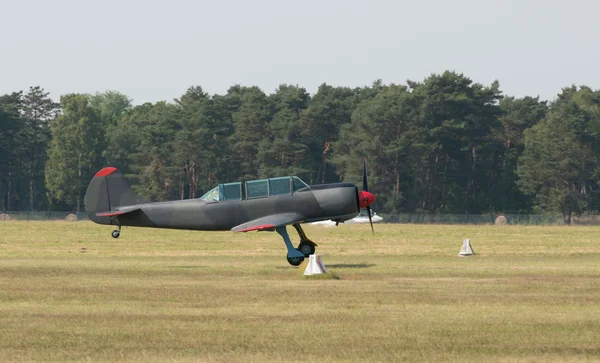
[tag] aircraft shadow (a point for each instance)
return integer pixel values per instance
(350, 265)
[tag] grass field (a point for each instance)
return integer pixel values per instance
(70, 292)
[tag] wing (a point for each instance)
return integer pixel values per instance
(118, 212)
(269, 223)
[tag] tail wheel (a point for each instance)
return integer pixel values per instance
(116, 233)
(295, 261)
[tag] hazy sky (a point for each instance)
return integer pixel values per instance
(154, 50)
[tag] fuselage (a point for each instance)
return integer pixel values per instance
(338, 202)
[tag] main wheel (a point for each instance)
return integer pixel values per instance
(295, 261)
(116, 233)
(306, 248)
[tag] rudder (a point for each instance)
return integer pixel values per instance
(107, 191)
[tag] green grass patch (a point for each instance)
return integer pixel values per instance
(70, 292)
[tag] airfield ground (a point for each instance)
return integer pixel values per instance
(68, 291)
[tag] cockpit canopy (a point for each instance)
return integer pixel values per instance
(255, 189)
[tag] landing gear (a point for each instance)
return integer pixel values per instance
(117, 232)
(295, 261)
(306, 246)
(294, 256)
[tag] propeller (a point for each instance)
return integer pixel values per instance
(366, 198)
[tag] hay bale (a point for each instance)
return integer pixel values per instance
(500, 221)
(591, 220)
(71, 218)
(4, 217)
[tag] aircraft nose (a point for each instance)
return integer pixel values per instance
(365, 199)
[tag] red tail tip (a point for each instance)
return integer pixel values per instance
(106, 171)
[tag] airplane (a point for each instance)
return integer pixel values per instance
(257, 205)
(361, 218)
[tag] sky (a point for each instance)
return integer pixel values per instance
(154, 50)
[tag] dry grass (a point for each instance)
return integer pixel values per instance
(70, 292)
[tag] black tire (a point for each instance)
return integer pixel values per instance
(295, 261)
(116, 233)
(306, 248)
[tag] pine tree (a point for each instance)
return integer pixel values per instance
(12, 147)
(38, 111)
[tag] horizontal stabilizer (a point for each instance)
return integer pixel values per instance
(269, 223)
(118, 212)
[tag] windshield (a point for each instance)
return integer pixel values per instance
(212, 195)
(299, 184)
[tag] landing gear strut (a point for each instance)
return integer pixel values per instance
(117, 232)
(306, 246)
(294, 257)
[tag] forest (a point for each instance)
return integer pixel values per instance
(443, 145)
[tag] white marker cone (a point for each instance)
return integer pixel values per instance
(466, 249)
(315, 265)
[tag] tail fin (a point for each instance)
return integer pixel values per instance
(107, 191)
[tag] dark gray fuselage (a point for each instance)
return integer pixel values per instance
(337, 202)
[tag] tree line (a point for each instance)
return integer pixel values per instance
(443, 145)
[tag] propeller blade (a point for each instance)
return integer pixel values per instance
(366, 198)
(370, 220)
(365, 185)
